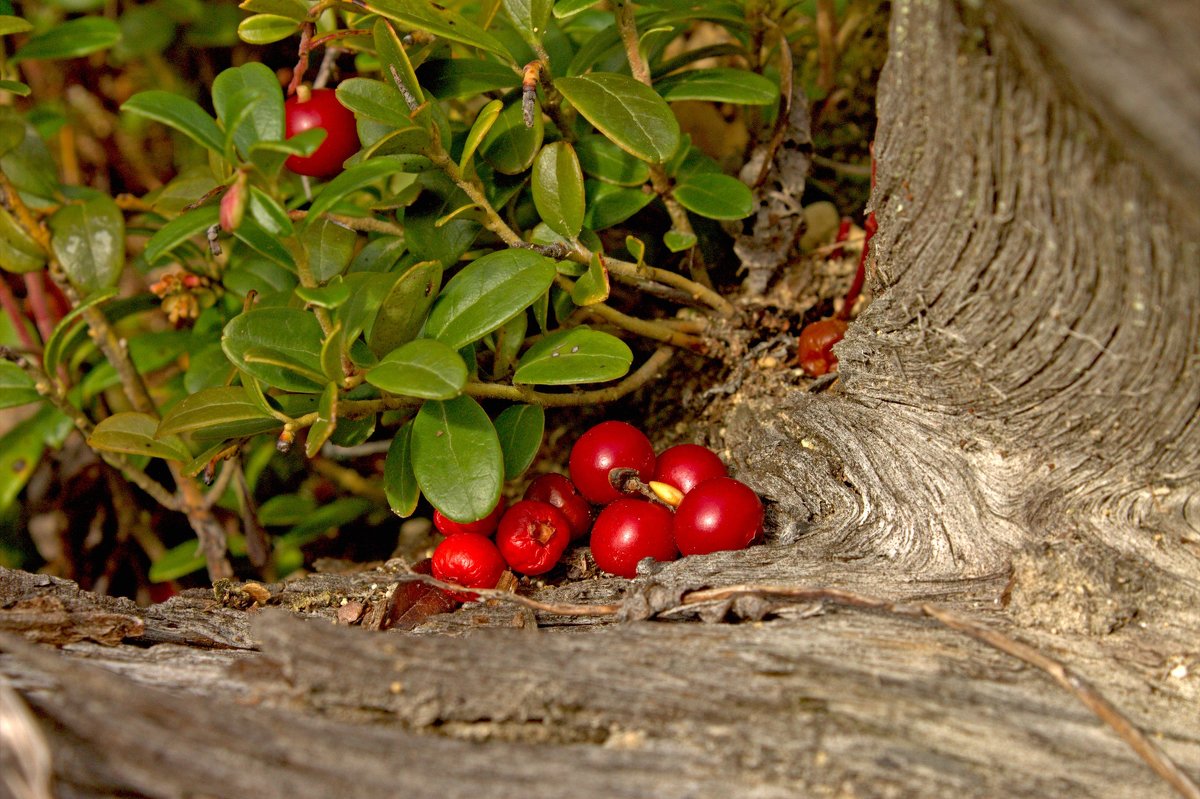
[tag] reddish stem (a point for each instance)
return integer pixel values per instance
(35, 290)
(842, 234)
(861, 273)
(15, 315)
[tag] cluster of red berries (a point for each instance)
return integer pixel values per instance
(681, 501)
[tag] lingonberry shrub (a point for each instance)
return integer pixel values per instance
(473, 195)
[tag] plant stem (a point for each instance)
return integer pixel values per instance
(633, 381)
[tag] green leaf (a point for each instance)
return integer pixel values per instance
(353, 179)
(403, 311)
(89, 241)
(483, 123)
(16, 387)
(293, 9)
(715, 196)
(510, 337)
(71, 39)
(234, 87)
(677, 241)
(429, 241)
(26, 160)
(399, 482)
(326, 422)
(531, 17)
(510, 147)
(279, 346)
(21, 450)
(330, 247)
(432, 18)
(602, 159)
(179, 113)
(520, 429)
(254, 236)
(718, 85)
(267, 211)
(424, 368)
(57, 344)
(395, 64)
(330, 296)
(447, 79)
(626, 111)
(592, 286)
(10, 24)
(304, 143)
(217, 413)
(375, 100)
(266, 28)
(487, 293)
(456, 458)
(180, 229)
(15, 87)
(18, 251)
(569, 8)
(576, 355)
(610, 205)
(558, 189)
(134, 434)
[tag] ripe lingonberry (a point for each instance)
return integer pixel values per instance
(608, 446)
(629, 530)
(470, 560)
(687, 465)
(816, 342)
(533, 536)
(560, 492)
(720, 513)
(485, 526)
(321, 110)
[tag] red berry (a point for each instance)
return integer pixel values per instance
(533, 536)
(629, 530)
(608, 446)
(816, 342)
(687, 465)
(721, 513)
(323, 110)
(485, 526)
(468, 560)
(560, 492)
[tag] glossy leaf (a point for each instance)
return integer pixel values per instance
(70, 39)
(280, 346)
(592, 286)
(424, 368)
(376, 100)
(403, 311)
(180, 229)
(135, 434)
(10, 24)
(353, 179)
(15, 87)
(602, 159)
(330, 296)
(456, 458)
(293, 9)
(718, 85)
(558, 189)
(520, 429)
(16, 387)
(267, 211)
(564, 9)
(487, 293)
(330, 246)
(483, 123)
(396, 64)
(187, 558)
(510, 147)
(60, 341)
(715, 196)
(18, 251)
(440, 21)
(326, 422)
(264, 243)
(325, 518)
(531, 17)
(678, 241)
(231, 89)
(610, 205)
(626, 111)
(179, 113)
(217, 413)
(21, 450)
(399, 482)
(89, 241)
(576, 355)
(266, 28)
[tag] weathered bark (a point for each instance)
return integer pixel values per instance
(1014, 437)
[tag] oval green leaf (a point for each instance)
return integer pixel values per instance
(577, 355)
(610, 205)
(217, 413)
(294, 9)
(266, 28)
(89, 241)
(135, 434)
(438, 20)
(424, 368)
(602, 159)
(399, 482)
(403, 311)
(279, 346)
(520, 428)
(715, 196)
(446, 79)
(486, 294)
(330, 247)
(353, 179)
(179, 113)
(375, 100)
(484, 120)
(326, 422)
(592, 286)
(558, 189)
(510, 147)
(628, 112)
(71, 39)
(531, 17)
(180, 229)
(235, 86)
(718, 85)
(16, 387)
(456, 458)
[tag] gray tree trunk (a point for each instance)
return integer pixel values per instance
(1013, 438)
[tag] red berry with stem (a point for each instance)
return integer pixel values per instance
(815, 350)
(629, 530)
(687, 465)
(323, 110)
(721, 513)
(469, 560)
(533, 536)
(608, 446)
(560, 492)
(485, 526)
